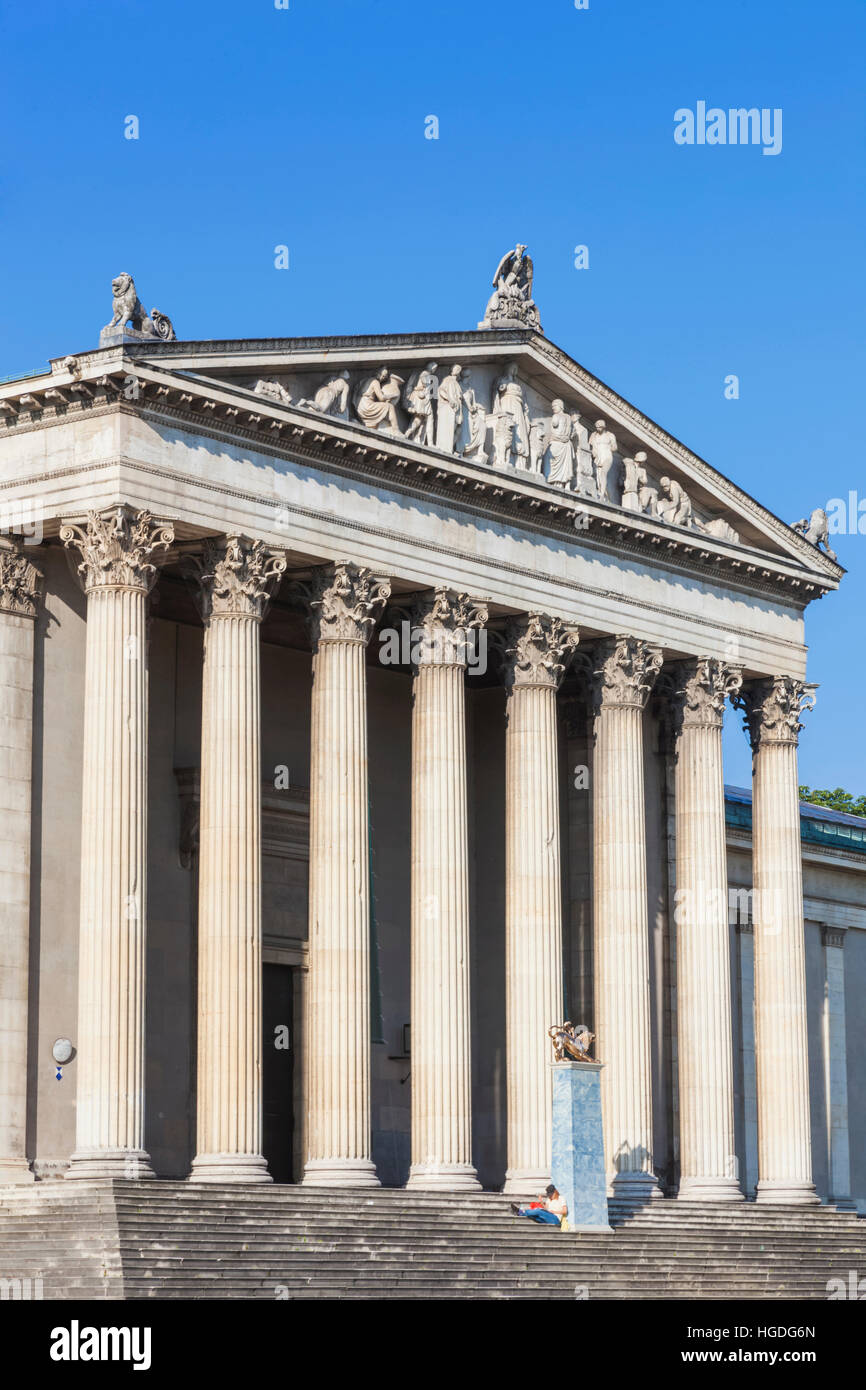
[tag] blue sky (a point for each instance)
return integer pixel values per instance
(305, 127)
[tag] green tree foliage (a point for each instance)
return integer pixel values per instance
(838, 800)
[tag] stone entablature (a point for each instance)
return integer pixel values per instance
(544, 475)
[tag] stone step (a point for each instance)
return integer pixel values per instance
(173, 1240)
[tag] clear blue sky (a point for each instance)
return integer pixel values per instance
(305, 127)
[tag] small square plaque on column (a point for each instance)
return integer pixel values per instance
(577, 1165)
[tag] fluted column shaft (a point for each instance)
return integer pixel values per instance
(109, 1140)
(781, 1032)
(19, 582)
(235, 580)
(624, 677)
(708, 1164)
(533, 892)
(440, 1008)
(345, 605)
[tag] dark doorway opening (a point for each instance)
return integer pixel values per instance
(278, 1053)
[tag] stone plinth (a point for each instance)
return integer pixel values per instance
(578, 1143)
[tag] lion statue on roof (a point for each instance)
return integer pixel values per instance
(127, 308)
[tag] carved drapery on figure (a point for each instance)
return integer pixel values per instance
(20, 582)
(116, 547)
(772, 709)
(376, 400)
(625, 672)
(236, 577)
(449, 410)
(539, 650)
(701, 688)
(331, 398)
(346, 602)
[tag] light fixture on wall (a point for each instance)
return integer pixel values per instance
(62, 1052)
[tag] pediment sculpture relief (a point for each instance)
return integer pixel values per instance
(444, 408)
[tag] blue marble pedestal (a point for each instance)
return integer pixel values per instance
(577, 1166)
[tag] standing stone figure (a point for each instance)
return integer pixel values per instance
(331, 398)
(585, 482)
(511, 421)
(450, 412)
(602, 442)
(537, 444)
(376, 401)
(631, 484)
(674, 504)
(477, 424)
(561, 448)
(418, 400)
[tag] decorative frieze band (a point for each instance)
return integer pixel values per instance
(538, 651)
(235, 577)
(625, 672)
(116, 548)
(772, 708)
(346, 601)
(20, 582)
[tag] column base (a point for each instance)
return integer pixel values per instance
(15, 1171)
(710, 1190)
(132, 1165)
(525, 1182)
(443, 1177)
(793, 1194)
(247, 1168)
(340, 1172)
(636, 1188)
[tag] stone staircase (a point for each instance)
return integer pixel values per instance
(139, 1240)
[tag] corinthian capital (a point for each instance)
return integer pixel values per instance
(20, 582)
(444, 622)
(701, 687)
(772, 709)
(116, 547)
(346, 601)
(538, 652)
(625, 673)
(236, 577)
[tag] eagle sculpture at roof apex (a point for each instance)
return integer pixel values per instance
(511, 305)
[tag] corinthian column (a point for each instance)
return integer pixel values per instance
(118, 574)
(706, 1075)
(346, 603)
(441, 1060)
(773, 708)
(626, 671)
(235, 578)
(19, 595)
(538, 652)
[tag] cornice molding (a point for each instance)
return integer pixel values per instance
(331, 442)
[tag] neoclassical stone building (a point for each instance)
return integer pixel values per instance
(362, 717)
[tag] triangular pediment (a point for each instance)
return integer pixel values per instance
(485, 401)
